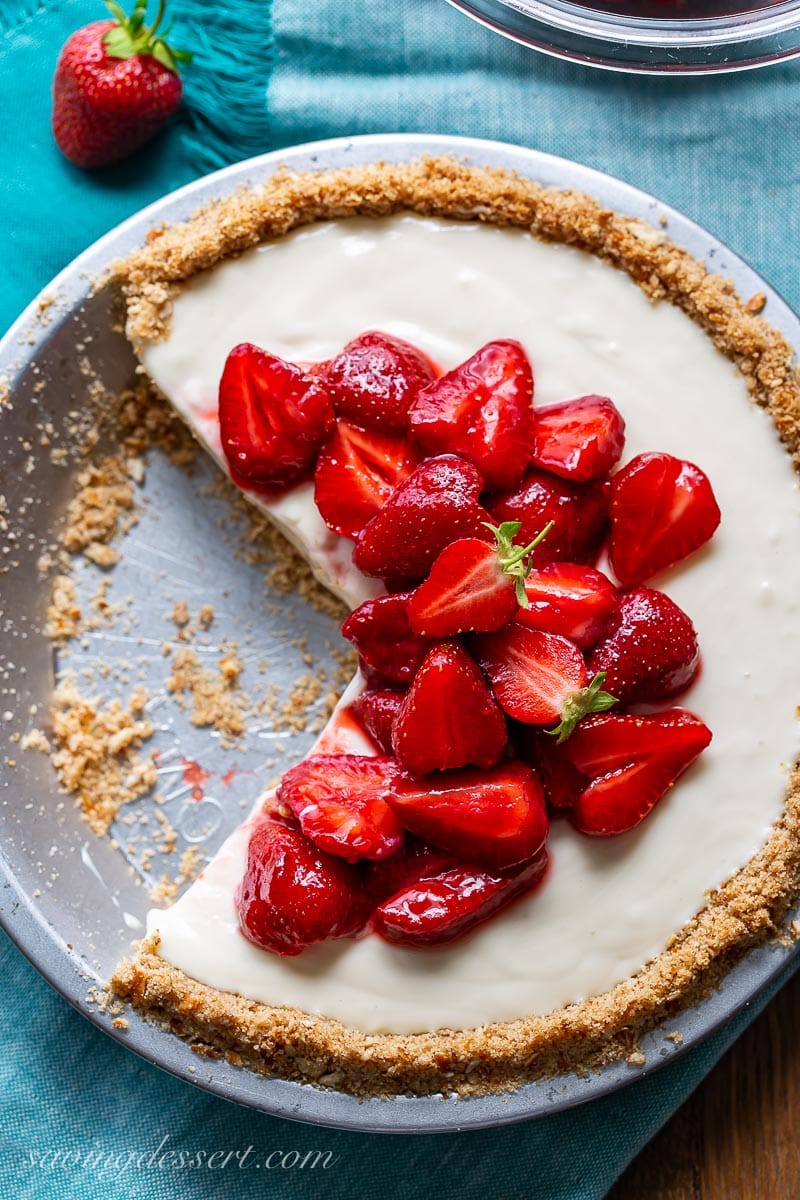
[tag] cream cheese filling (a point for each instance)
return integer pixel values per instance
(607, 907)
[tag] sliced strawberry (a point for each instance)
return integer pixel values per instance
(662, 509)
(649, 650)
(447, 905)
(376, 712)
(337, 800)
(356, 474)
(632, 761)
(380, 631)
(482, 410)
(569, 599)
(376, 379)
(437, 504)
(579, 439)
(495, 817)
(561, 780)
(294, 895)
(273, 418)
(540, 678)
(472, 586)
(414, 861)
(579, 512)
(449, 717)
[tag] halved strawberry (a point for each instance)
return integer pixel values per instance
(337, 800)
(356, 474)
(414, 860)
(540, 678)
(294, 895)
(631, 761)
(495, 817)
(649, 650)
(273, 418)
(579, 512)
(567, 598)
(662, 509)
(579, 439)
(376, 712)
(380, 631)
(453, 902)
(437, 504)
(482, 410)
(375, 380)
(473, 587)
(449, 717)
(561, 780)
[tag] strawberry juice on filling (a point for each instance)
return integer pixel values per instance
(607, 906)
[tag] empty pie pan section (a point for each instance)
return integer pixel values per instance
(71, 902)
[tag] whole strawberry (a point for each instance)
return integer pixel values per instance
(116, 85)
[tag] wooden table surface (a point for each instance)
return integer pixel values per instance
(738, 1136)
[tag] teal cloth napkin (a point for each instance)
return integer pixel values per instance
(723, 150)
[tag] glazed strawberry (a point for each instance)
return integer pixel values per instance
(375, 380)
(662, 509)
(337, 800)
(473, 586)
(570, 599)
(561, 780)
(294, 895)
(376, 712)
(414, 860)
(649, 650)
(494, 817)
(482, 410)
(273, 418)
(540, 678)
(578, 439)
(437, 504)
(449, 717)
(380, 631)
(116, 85)
(356, 473)
(579, 512)
(448, 905)
(632, 761)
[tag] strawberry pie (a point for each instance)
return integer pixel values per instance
(558, 798)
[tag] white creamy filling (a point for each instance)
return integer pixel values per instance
(607, 906)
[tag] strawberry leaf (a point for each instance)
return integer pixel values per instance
(590, 699)
(130, 36)
(162, 53)
(516, 561)
(117, 12)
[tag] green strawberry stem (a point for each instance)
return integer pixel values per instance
(514, 560)
(130, 36)
(590, 699)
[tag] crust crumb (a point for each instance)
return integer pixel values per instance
(102, 507)
(213, 695)
(63, 616)
(96, 751)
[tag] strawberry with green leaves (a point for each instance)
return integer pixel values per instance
(473, 586)
(116, 85)
(540, 678)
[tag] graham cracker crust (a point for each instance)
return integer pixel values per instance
(746, 910)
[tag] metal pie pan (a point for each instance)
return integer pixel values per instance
(69, 900)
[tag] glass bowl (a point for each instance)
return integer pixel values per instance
(681, 37)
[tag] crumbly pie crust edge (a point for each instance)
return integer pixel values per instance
(746, 910)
